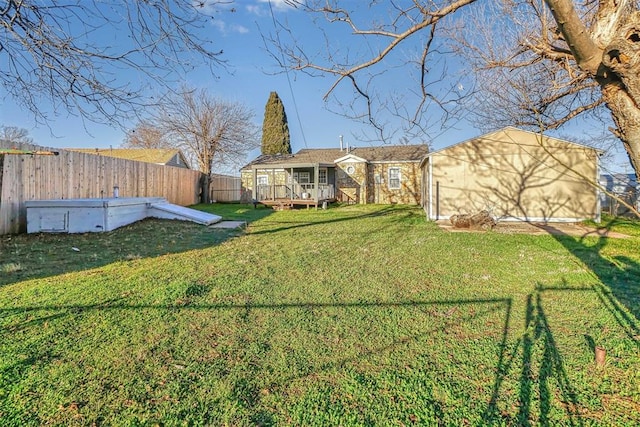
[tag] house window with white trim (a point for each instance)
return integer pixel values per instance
(263, 179)
(394, 178)
(304, 178)
(322, 176)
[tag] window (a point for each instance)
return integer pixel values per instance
(322, 176)
(394, 178)
(304, 178)
(263, 179)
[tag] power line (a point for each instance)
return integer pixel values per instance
(286, 70)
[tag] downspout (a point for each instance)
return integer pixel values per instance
(598, 217)
(430, 188)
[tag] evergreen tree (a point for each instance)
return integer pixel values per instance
(275, 130)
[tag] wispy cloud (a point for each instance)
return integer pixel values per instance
(255, 9)
(226, 29)
(241, 29)
(280, 5)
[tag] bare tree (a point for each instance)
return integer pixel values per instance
(76, 53)
(573, 57)
(386, 36)
(211, 132)
(521, 81)
(146, 135)
(15, 134)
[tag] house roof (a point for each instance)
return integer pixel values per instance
(328, 156)
(149, 155)
(618, 179)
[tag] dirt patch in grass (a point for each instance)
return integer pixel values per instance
(538, 228)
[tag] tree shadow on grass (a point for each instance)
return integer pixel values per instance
(399, 212)
(619, 274)
(245, 388)
(33, 256)
(551, 368)
(543, 378)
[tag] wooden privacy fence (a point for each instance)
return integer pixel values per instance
(225, 188)
(72, 175)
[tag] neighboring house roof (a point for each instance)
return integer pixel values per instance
(328, 156)
(161, 156)
(618, 182)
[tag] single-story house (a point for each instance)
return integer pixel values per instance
(385, 174)
(619, 186)
(514, 175)
(158, 156)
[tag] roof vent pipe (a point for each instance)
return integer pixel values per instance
(340, 142)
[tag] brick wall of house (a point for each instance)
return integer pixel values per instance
(409, 191)
(352, 186)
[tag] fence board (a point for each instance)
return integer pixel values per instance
(73, 175)
(225, 188)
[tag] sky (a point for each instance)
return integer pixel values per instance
(252, 73)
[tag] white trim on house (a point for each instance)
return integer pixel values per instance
(399, 178)
(524, 219)
(322, 171)
(386, 162)
(598, 190)
(350, 158)
(303, 177)
(430, 189)
(265, 170)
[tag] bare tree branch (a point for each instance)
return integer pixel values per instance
(212, 133)
(76, 53)
(574, 59)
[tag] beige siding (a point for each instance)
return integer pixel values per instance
(514, 175)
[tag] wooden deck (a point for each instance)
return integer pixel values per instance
(283, 203)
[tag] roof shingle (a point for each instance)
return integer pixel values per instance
(330, 155)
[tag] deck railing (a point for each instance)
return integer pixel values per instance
(295, 191)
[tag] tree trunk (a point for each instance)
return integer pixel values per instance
(626, 115)
(205, 184)
(616, 67)
(621, 90)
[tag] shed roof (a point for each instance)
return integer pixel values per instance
(510, 131)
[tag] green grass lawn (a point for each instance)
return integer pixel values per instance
(346, 316)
